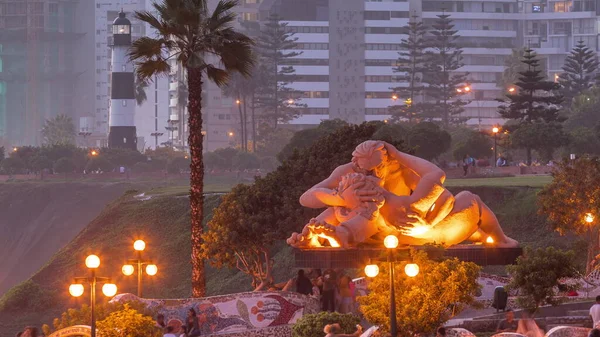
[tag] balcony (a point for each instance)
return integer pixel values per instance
(173, 102)
(173, 86)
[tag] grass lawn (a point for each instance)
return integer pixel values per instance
(528, 180)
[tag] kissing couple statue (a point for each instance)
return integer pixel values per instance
(384, 191)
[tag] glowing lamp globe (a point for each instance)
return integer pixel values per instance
(139, 245)
(76, 290)
(151, 269)
(495, 129)
(489, 240)
(109, 289)
(290, 101)
(589, 217)
(127, 270)
(411, 269)
(92, 261)
(371, 270)
(390, 241)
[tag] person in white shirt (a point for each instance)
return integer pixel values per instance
(169, 332)
(595, 312)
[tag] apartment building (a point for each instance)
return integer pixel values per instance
(44, 67)
(350, 47)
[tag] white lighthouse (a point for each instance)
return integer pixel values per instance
(122, 133)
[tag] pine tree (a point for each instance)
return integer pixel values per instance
(579, 69)
(441, 78)
(277, 100)
(512, 67)
(535, 105)
(411, 61)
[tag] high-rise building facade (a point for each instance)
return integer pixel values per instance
(349, 49)
(45, 67)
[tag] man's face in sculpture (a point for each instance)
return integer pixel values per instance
(374, 165)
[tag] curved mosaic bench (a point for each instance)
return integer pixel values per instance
(235, 313)
(568, 331)
(508, 334)
(459, 332)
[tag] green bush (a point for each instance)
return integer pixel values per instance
(176, 165)
(99, 163)
(312, 325)
(25, 296)
(64, 165)
(142, 167)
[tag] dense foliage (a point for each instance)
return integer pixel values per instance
(59, 130)
(574, 191)
(312, 325)
(440, 291)
(538, 274)
(535, 107)
(268, 211)
(579, 71)
(128, 322)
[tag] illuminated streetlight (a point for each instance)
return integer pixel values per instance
(139, 245)
(390, 242)
(76, 290)
(128, 270)
(511, 89)
(109, 289)
(92, 262)
(394, 97)
(139, 263)
(458, 90)
(237, 101)
(411, 269)
(371, 270)
(467, 88)
(290, 101)
(230, 133)
(94, 153)
(151, 269)
(589, 217)
(15, 149)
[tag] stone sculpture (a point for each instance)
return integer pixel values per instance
(384, 191)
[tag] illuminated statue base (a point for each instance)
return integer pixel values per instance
(324, 258)
(383, 191)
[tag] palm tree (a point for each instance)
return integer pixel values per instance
(140, 91)
(204, 44)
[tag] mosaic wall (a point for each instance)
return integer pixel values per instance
(236, 312)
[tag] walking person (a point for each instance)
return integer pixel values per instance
(466, 162)
(595, 312)
(345, 294)
(303, 284)
(329, 287)
(169, 332)
(193, 326)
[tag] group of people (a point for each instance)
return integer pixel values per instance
(189, 328)
(333, 288)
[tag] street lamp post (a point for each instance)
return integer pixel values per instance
(411, 269)
(128, 269)
(495, 131)
(76, 289)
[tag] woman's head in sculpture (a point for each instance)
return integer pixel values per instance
(371, 158)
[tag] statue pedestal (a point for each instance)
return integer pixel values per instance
(359, 257)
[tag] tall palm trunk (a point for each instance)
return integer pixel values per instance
(245, 123)
(195, 140)
(239, 99)
(253, 123)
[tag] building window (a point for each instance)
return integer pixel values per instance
(562, 6)
(377, 15)
(53, 8)
(250, 16)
